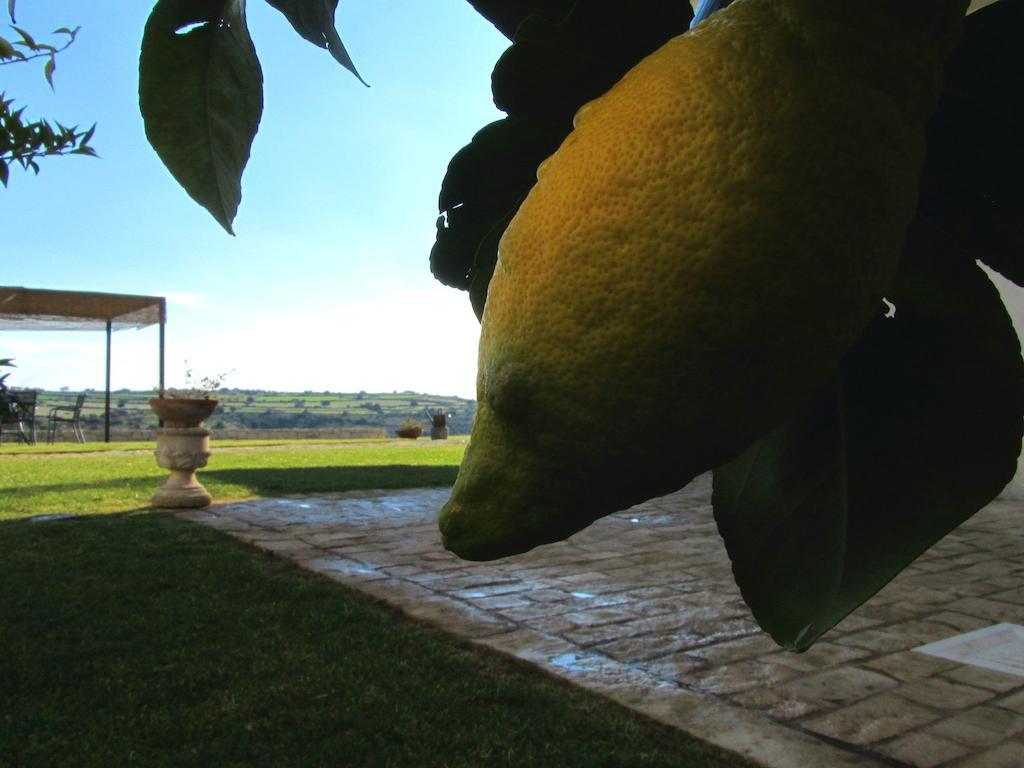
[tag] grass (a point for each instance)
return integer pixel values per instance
(93, 480)
(137, 638)
(12, 448)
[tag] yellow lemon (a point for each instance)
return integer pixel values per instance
(695, 259)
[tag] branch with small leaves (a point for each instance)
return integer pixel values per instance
(196, 387)
(10, 53)
(25, 142)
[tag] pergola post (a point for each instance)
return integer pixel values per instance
(163, 324)
(106, 409)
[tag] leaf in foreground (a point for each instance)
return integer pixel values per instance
(484, 185)
(972, 179)
(201, 97)
(507, 15)
(922, 429)
(559, 60)
(314, 21)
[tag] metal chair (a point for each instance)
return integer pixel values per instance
(74, 419)
(21, 415)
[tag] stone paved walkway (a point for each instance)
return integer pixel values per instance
(642, 607)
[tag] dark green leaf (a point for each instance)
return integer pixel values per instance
(559, 61)
(507, 15)
(314, 21)
(26, 37)
(486, 260)
(201, 96)
(51, 64)
(10, 9)
(554, 67)
(783, 496)
(4, 172)
(8, 51)
(923, 430)
(485, 183)
(971, 181)
(524, 83)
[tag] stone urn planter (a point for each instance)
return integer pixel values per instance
(182, 446)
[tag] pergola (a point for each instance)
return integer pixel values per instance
(35, 309)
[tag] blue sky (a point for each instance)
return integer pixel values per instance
(326, 284)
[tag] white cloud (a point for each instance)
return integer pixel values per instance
(191, 300)
(414, 340)
(423, 340)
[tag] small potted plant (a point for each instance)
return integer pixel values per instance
(182, 444)
(190, 406)
(409, 429)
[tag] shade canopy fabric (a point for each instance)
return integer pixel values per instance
(35, 309)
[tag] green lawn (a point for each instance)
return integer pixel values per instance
(128, 636)
(95, 478)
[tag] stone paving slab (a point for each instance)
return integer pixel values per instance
(641, 607)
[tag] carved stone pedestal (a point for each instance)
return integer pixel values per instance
(182, 450)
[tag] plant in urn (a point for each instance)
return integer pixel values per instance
(182, 443)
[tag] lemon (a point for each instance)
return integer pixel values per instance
(695, 259)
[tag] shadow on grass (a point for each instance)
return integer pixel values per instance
(274, 481)
(133, 481)
(143, 639)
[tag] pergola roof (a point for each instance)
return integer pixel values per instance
(35, 309)
(38, 309)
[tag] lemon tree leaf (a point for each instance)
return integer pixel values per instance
(556, 63)
(8, 51)
(314, 21)
(922, 428)
(971, 180)
(781, 508)
(556, 66)
(507, 15)
(485, 182)
(201, 97)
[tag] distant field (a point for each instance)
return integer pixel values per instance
(254, 409)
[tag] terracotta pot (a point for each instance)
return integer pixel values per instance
(182, 412)
(409, 432)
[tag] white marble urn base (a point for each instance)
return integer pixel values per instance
(182, 450)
